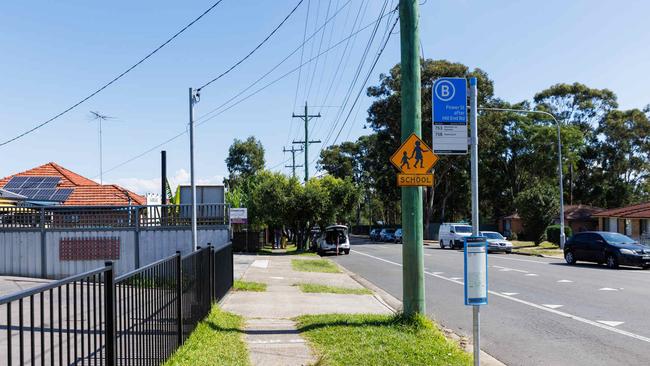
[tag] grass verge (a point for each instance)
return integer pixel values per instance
(316, 288)
(291, 249)
(314, 265)
(240, 285)
(545, 248)
(217, 340)
(346, 339)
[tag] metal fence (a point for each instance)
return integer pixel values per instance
(100, 217)
(95, 318)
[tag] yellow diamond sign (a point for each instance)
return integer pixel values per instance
(414, 156)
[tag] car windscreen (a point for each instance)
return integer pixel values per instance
(492, 235)
(616, 238)
(464, 229)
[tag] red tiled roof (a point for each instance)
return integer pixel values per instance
(580, 212)
(69, 179)
(641, 210)
(86, 192)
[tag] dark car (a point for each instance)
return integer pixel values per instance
(374, 234)
(614, 249)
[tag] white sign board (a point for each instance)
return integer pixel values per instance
(449, 102)
(476, 288)
(239, 215)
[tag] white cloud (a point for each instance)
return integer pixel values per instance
(181, 176)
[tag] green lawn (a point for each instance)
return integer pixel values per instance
(316, 288)
(217, 340)
(314, 265)
(345, 339)
(545, 248)
(291, 249)
(240, 285)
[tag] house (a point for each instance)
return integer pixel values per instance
(51, 184)
(633, 220)
(578, 217)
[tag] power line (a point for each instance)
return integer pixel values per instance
(253, 93)
(254, 49)
(115, 78)
(366, 80)
(302, 53)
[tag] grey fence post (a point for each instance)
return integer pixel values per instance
(109, 314)
(136, 238)
(43, 244)
(213, 280)
(179, 299)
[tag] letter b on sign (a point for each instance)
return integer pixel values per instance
(445, 90)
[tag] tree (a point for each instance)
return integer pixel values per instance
(452, 171)
(579, 105)
(245, 158)
(538, 206)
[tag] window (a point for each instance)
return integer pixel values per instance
(643, 226)
(605, 223)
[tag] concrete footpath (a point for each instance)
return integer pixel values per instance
(270, 333)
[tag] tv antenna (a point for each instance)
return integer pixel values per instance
(96, 116)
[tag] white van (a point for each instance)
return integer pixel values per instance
(452, 235)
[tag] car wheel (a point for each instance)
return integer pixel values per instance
(508, 251)
(347, 251)
(569, 257)
(611, 261)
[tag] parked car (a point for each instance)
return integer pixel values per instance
(496, 242)
(313, 238)
(387, 235)
(614, 249)
(398, 236)
(374, 234)
(452, 235)
(334, 238)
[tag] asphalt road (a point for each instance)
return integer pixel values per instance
(540, 312)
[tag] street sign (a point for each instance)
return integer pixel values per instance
(476, 270)
(239, 215)
(450, 116)
(414, 180)
(414, 156)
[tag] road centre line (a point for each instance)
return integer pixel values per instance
(536, 306)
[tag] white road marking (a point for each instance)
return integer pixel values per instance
(531, 275)
(610, 323)
(260, 263)
(552, 306)
(438, 273)
(564, 281)
(536, 306)
(607, 289)
(510, 293)
(507, 269)
(277, 278)
(427, 255)
(455, 278)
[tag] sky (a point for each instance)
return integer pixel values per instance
(53, 54)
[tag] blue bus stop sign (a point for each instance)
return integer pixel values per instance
(449, 116)
(450, 100)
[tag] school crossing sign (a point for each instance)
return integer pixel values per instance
(414, 159)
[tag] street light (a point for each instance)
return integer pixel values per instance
(559, 159)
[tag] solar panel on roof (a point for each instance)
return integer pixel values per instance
(32, 182)
(61, 194)
(49, 182)
(29, 192)
(44, 194)
(15, 182)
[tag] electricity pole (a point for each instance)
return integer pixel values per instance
(306, 118)
(413, 265)
(194, 98)
(293, 165)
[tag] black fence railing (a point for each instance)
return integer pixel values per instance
(94, 318)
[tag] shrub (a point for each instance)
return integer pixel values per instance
(553, 233)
